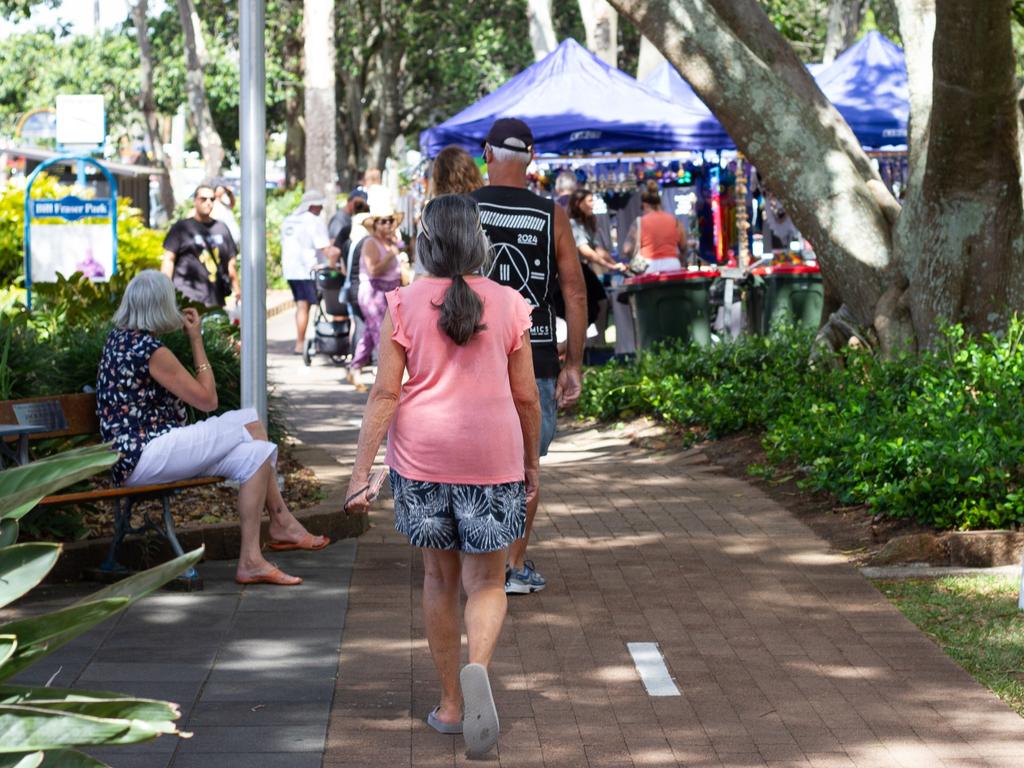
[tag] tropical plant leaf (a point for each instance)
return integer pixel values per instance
(8, 535)
(141, 584)
(22, 487)
(22, 760)
(8, 644)
(24, 728)
(69, 758)
(23, 566)
(39, 636)
(92, 703)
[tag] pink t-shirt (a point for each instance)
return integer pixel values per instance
(456, 421)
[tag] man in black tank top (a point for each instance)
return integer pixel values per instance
(533, 249)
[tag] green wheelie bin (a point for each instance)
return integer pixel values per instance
(789, 292)
(670, 306)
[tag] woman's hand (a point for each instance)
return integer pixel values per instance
(356, 501)
(532, 484)
(190, 323)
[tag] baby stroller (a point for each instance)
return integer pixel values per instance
(331, 325)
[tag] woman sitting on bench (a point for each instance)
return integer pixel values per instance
(141, 393)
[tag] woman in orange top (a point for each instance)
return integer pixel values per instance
(661, 236)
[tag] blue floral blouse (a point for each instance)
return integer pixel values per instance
(133, 408)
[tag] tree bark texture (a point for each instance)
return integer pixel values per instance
(542, 28)
(601, 23)
(844, 20)
(318, 87)
(962, 241)
(140, 18)
(210, 145)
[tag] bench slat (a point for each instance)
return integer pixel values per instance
(135, 490)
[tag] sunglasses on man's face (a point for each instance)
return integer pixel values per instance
(202, 199)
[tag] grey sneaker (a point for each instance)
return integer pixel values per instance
(525, 581)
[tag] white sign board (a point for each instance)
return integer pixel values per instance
(81, 120)
(70, 248)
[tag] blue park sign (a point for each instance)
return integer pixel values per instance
(70, 208)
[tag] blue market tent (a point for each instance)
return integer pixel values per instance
(667, 82)
(574, 102)
(867, 84)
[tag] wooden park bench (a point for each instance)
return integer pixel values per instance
(70, 416)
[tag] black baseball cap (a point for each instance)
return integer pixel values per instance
(510, 133)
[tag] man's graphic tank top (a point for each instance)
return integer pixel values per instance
(521, 227)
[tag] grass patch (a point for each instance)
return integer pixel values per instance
(975, 620)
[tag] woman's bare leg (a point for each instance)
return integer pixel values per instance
(483, 577)
(283, 524)
(441, 617)
(252, 496)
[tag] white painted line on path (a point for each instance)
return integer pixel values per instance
(650, 664)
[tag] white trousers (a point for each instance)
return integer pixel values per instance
(219, 445)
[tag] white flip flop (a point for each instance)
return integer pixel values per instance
(480, 717)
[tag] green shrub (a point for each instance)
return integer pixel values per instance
(933, 438)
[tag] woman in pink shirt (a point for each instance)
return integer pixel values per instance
(463, 432)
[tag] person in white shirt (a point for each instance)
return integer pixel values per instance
(305, 244)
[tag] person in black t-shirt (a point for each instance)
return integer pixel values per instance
(199, 254)
(534, 251)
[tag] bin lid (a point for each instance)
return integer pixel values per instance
(787, 269)
(674, 274)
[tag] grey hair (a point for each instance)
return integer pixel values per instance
(452, 244)
(506, 155)
(565, 183)
(149, 304)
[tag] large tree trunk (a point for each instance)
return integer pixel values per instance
(844, 20)
(961, 242)
(321, 137)
(389, 100)
(542, 29)
(140, 18)
(210, 145)
(602, 26)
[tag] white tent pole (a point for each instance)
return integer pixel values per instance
(252, 122)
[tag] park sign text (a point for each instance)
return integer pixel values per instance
(70, 208)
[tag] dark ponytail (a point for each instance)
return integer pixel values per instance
(461, 311)
(452, 244)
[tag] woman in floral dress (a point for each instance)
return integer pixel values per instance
(141, 392)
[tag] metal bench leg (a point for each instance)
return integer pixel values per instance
(122, 520)
(189, 579)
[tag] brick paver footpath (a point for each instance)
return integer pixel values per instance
(781, 653)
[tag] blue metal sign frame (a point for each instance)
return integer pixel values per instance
(81, 160)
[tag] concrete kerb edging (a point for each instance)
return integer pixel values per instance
(222, 540)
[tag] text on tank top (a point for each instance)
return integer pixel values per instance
(520, 226)
(659, 235)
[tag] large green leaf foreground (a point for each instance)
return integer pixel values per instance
(40, 726)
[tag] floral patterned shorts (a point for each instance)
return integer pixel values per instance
(471, 518)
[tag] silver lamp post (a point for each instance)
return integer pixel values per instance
(252, 123)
